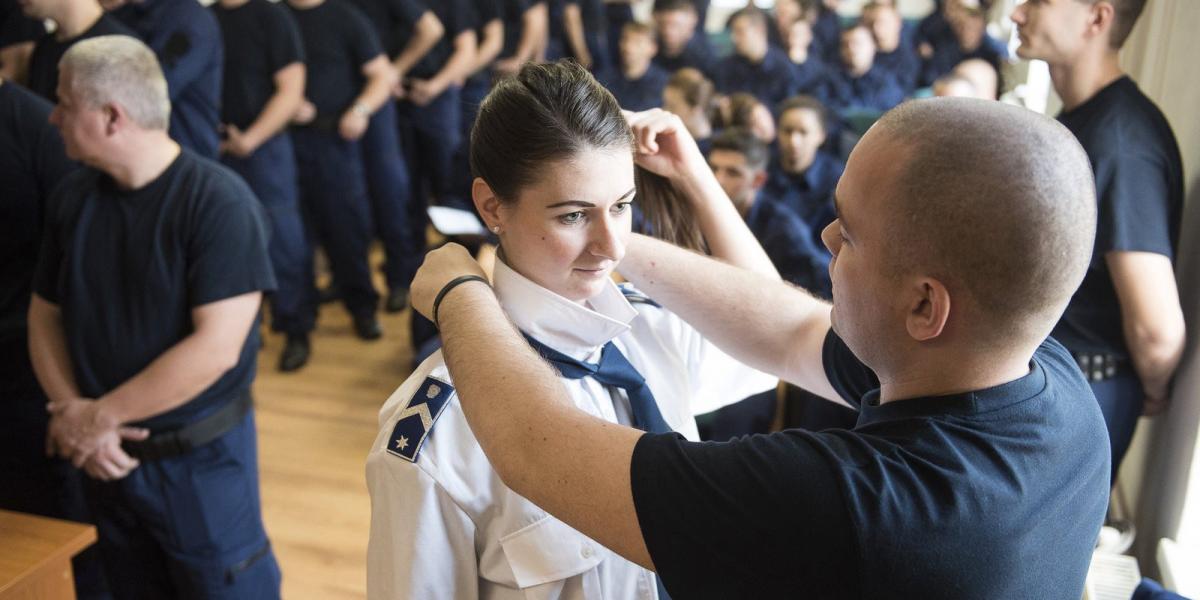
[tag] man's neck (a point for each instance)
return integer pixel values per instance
(635, 71)
(232, 3)
(756, 56)
(927, 376)
(143, 161)
(744, 205)
(1077, 82)
(800, 170)
(799, 54)
(856, 73)
(305, 4)
(76, 19)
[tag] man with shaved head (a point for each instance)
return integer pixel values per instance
(976, 468)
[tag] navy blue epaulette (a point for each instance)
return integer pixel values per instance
(416, 420)
(636, 297)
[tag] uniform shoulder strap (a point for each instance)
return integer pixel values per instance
(417, 418)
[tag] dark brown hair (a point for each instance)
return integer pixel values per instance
(551, 112)
(1125, 16)
(741, 141)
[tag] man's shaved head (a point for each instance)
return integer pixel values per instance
(992, 200)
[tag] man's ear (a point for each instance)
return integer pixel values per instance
(929, 309)
(1101, 19)
(114, 118)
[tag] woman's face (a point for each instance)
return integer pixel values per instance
(567, 231)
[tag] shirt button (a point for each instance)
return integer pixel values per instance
(587, 552)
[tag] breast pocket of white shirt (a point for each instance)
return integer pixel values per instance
(549, 559)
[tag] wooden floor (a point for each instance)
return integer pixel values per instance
(314, 430)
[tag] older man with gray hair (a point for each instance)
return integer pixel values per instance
(143, 334)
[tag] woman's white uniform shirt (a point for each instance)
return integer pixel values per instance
(443, 525)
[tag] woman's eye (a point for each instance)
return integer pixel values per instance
(621, 207)
(571, 218)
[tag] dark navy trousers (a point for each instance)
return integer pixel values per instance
(1120, 400)
(430, 135)
(333, 191)
(271, 174)
(188, 526)
(390, 190)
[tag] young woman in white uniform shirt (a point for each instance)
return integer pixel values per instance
(554, 159)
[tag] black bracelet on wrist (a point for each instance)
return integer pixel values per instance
(457, 281)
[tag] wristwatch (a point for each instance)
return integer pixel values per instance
(361, 109)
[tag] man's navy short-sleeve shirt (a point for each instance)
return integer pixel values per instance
(187, 40)
(771, 81)
(338, 41)
(1139, 194)
(643, 93)
(997, 493)
(127, 267)
(261, 38)
(394, 21)
(456, 17)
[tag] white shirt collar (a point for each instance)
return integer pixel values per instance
(570, 328)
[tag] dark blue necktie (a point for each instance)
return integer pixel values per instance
(613, 369)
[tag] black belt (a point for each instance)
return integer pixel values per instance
(192, 435)
(1100, 366)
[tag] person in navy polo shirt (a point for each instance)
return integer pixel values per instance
(348, 79)
(860, 85)
(976, 468)
(263, 87)
(810, 73)
(969, 39)
(895, 51)
(739, 161)
(681, 39)
(1124, 325)
(187, 40)
(755, 66)
(407, 30)
(804, 176)
(143, 332)
(637, 81)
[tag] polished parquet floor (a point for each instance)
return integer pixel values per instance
(314, 430)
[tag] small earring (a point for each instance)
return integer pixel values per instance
(496, 229)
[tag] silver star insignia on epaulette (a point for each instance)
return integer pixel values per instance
(402, 443)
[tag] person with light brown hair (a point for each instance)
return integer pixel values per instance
(636, 80)
(692, 97)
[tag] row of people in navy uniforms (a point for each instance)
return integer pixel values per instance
(348, 117)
